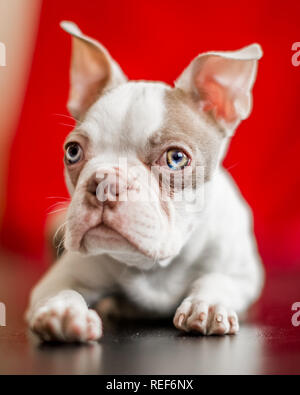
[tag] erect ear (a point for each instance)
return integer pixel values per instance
(93, 71)
(221, 83)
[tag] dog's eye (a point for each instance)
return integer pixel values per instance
(177, 159)
(73, 154)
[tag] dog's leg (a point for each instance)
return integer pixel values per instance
(213, 304)
(59, 306)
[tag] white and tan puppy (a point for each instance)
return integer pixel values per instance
(130, 229)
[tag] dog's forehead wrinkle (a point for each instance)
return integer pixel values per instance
(126, 115)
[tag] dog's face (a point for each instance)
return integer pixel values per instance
(143, 153)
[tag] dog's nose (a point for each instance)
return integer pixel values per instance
(106, 187)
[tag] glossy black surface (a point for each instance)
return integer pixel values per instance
(267, 343)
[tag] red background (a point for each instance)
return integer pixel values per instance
(155, 40)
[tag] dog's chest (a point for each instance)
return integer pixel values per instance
(160, 291)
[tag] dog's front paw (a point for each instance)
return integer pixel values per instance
(194, 315)
(66, 322)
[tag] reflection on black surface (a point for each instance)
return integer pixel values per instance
(268, 343)
(137, 349)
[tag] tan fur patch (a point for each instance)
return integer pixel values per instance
(185, 126)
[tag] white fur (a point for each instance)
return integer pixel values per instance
(132, 111)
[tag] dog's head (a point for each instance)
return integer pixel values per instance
(140, 150)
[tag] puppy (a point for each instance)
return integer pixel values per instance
(154, 218)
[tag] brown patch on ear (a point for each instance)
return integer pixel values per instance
(221, 83)
(217, 99)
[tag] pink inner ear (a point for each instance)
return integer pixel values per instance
(218, 99)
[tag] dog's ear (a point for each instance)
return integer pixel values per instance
(221, 83)
(92, 71)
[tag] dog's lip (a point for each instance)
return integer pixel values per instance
(107, 232)
(133, 243)
(111, 233)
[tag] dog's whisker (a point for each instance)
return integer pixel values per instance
(232, 166)
(58, 197)
(66, 124)
(56, 207)
(60, 246)
(58, 230)
(57, 211)
(65, 116)
(76, 121)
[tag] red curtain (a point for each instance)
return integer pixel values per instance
(155, 40)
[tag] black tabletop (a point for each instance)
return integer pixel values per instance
(268, 343)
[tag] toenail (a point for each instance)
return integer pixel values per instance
(202, 316)
(181, 319)
(219, 318)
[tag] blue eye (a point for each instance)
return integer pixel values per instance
(73, 154)
(177, 159)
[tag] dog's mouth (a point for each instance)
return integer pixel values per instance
(109, 239)
(104, 235)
